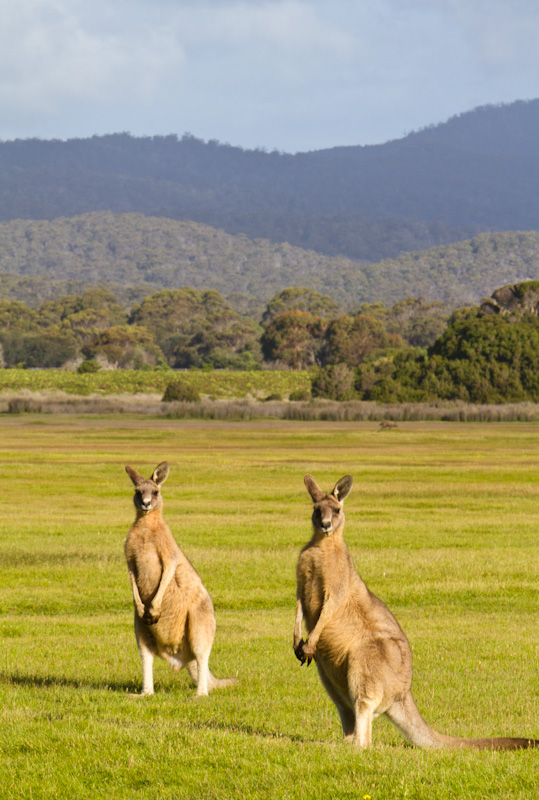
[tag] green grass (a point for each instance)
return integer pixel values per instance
(217, 383)
(442, 523)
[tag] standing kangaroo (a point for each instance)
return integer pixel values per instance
(362, 655)
(174, 616)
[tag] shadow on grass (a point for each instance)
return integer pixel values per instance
(47, 682)
(250, 730)
(129, 688)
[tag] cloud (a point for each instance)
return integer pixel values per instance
(51, 54)
(294, 74)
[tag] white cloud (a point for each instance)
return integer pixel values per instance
(294, 74)
(50, 57)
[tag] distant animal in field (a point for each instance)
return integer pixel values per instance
(386, 425)
(174, 616)
(362, 655)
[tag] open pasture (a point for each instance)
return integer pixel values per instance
(442, 522)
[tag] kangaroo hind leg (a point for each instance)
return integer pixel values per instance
(146, 658)
(364, 717)
(201, 634)
(346, 713)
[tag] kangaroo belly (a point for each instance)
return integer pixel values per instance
(170, 631)
(148, 573)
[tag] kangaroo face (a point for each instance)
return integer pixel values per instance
(148, 490)
(327, 511)
(147, 496)
(327, 515)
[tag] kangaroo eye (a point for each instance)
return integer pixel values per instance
(155, 493)
(336, 511)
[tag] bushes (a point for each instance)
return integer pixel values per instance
(88, 366)
(479, 359)
(300, 395)
(181, 391)
(335, 382)
(45, 350)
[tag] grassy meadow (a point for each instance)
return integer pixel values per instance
(443, 524)
(220, 383)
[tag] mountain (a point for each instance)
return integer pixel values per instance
(477, 172)
(135, 255)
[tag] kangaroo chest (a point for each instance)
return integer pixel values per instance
(143, 553)
(321, 572)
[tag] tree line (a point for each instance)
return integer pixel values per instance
(186, 328)
(486, 354)
(409, 352)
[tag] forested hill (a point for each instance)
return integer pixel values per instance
(478, 171)
(140, 254)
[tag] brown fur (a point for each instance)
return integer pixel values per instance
(387, 424)
(362, 655)
(174, 616)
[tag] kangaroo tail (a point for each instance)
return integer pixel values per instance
(491, 743)
(213, 682)
(220, 683)
(405, 715)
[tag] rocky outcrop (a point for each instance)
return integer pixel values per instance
(513, 301)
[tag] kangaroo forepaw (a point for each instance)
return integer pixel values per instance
(304, 653)
(309, 651)
(298, 652)
(151, 616)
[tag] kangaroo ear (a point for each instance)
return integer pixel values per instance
(313, 488)
(160, 473)
(135, 476)
(342, 488)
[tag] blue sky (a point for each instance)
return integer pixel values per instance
(294, 75)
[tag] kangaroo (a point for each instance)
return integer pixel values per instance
(174, 616)
(362, 655)
(386, 425)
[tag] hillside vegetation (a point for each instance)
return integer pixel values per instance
(131, 249)
(477, 172)
(134, 256)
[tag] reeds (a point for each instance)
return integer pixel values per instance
(250, 408)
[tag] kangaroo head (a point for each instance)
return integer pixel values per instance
(148, 491)
(328, 508)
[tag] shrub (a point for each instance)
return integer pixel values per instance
(179, 390)
(47, 350)
(335, 382)
(90, 365)
(300, 395)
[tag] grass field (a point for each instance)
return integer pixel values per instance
(443, 525)
(216, 383)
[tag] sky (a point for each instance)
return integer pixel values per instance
(290, 75)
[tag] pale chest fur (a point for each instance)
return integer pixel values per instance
(147, 547)
(323, 569)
